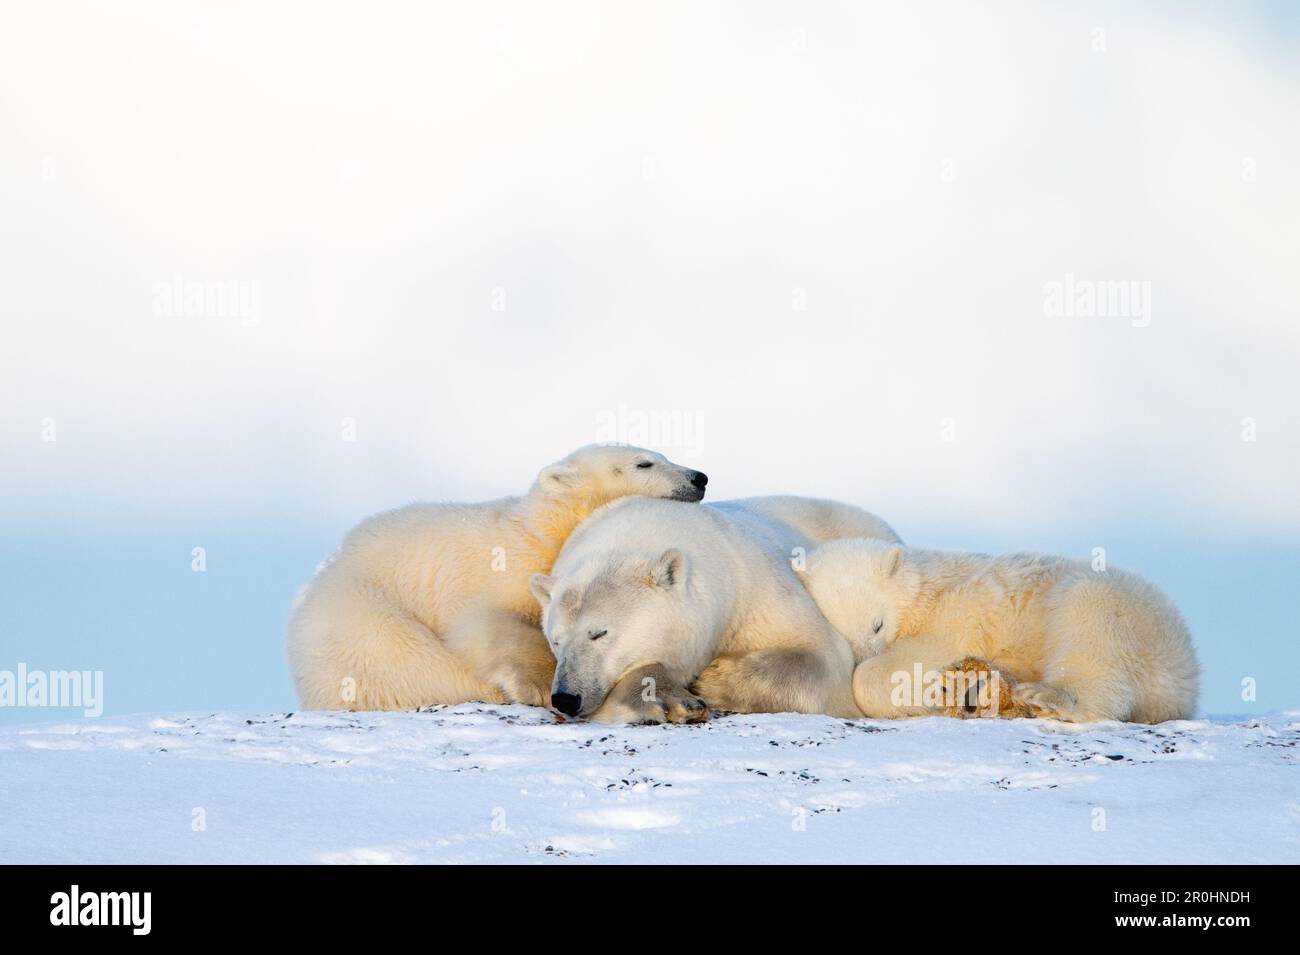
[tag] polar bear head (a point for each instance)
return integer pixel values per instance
(598, 474)
(864, 588)
(606, 621)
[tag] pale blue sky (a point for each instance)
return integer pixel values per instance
(823, 238)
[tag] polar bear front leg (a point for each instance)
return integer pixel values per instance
(648, 694)
(506, 653)
(777, 680)
(893, 684)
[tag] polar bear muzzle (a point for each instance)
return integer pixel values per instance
(695, 490)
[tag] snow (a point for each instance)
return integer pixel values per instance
(480, 783)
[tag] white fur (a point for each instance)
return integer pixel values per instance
(430, 603)
(655, 587)
(1081, 644)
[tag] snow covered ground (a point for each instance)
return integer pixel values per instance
(479, 783)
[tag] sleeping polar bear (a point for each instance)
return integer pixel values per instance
(1087, 644)
(646, 593)
(430, 603)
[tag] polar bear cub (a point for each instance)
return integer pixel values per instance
(430, 603)
(1079, 644)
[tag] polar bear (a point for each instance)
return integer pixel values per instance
(1088, 645)
(646, 593)
(430, 603)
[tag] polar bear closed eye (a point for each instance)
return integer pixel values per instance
(430, 603)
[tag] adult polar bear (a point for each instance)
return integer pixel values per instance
(648, 589)
(430, 603)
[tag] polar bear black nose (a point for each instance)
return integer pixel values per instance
(566, 703)
(700, 479)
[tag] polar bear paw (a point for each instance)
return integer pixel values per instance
(664, 706)
(1046, 701)
(650, 694)
(682, 706)
(518, 688)
(974, 687)
(718, 685)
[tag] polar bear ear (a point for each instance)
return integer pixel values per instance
(558, 478)
(892, 560)
(540, 585)
(670, 569)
